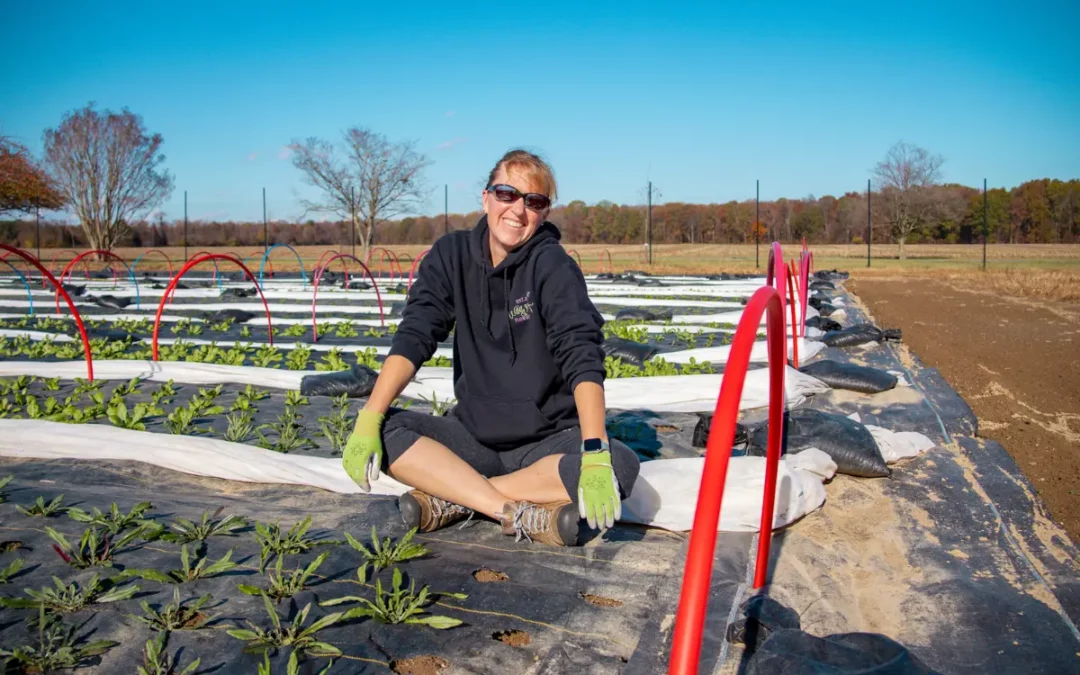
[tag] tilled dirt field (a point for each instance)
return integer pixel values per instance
(1015, 363)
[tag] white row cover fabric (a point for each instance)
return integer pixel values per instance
(283, 320)
(155, 295)
(758, 353)
(665, 494)
(896, 445)
(676, 393)
(733, 317)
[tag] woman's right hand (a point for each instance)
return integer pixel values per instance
(362, 457)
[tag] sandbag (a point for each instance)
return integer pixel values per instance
(824, 308)
(239, 293)
(397, 308)
(357, 285)
(704, 425)
(761, 617)
(356, 382)
(821, 323)
(234, 315)
(830, 275)
(794, 652)
(642, 314)
(858, 334)
(110, 301)
(629, 351)
(74, 291)
(822, 285)
(605, 276)
(849, 376)
(111, 335)
(846, 441)
(649, 282)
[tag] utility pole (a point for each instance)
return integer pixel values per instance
(37, 229)
(985, 229)
(185, 226)
(446, 209)
(869, 224)
(266, 236)
(648, 226)
(757, 223)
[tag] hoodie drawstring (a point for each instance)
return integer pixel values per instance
(509, 323)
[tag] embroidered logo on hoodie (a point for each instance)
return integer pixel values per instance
(522, 310)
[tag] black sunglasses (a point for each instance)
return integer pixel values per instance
(508, 193)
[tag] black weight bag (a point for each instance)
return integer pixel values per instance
(110, 301)
(761, 617)
(822, 285)
(852, 336)
(234, 315)
(641, 314)
(704, 426)
(74, 291)
(823, 323)
(847, 442)
(357, 382)
(849, 376)
(239, 293)
(636, 353)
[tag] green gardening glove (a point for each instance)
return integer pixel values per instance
(598, 489)
(362, 457)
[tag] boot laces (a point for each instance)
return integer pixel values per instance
(441, 508)
(530, 518)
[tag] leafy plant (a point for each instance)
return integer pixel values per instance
(185, 531)
(64, 599)
(51, 384)
(289, 433)
(439, 408)
(87, 386)
(245, 331)
(332, 361)
(399, 605)
(240, 426)
(119, 415)
(40, 509)
(9, 572)
(182, 421)
(254, 394)
(114, 520)
(282, 584)
(337, 426)
(298, 358)
(222, 326)
(346, 329)
(303, 639)
(291, 668)
(294, 330)
(243, 403)
(3, 485)
(176, 615)
(57, 647)
(94, 549)
(128, 388)
(201, 569)
(293, 398)
(439, 362)
(273, 543)
(368, 357)
(383, 554)
(267, 356)
(157, 662)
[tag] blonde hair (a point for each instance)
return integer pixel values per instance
(529, 164)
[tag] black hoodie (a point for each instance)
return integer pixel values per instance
(526, 333)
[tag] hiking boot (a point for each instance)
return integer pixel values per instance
(427, 513)
(555, 524)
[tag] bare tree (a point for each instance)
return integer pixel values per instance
(108, 168)
(24, 186)
(371, 181)
(905, 178)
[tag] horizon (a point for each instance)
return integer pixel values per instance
(701, 102)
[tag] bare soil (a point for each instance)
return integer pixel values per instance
(514, 638)
(420, 665)
(486, 576)
(601, 601)
(1015, 363)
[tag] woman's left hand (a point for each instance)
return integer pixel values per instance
(598, 490)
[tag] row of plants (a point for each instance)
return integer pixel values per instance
(195, 327)
(113, 533)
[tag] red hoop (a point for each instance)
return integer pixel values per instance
(187, 266)
(611, 267)
(31, 260)
(205, 252)
(319, 263)
(384, 255)
(686, 642)
(168, 260)
(315, 293)
(416, 263)
(82, 255)
(576, 255)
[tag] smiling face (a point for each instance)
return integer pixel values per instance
(512, 224)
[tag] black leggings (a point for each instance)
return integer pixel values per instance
(403, 428)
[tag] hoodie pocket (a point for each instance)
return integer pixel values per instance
(502, 422)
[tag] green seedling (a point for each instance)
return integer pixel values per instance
(95, 548)
(185, 531)
(176, 615)
(383, 554)
(254, 394)
(222, 326)
(114, 520)
(182, 421)
(285, 584)
(156, 661)
(190, 569)
(402, 403)
(243, 403)
(51, 384)
(11, 571)
(240, 426)
(373, 332)
(332, 361)
(245, 331)
(273, 543)
(181, 326)
(289, 431)
(294, 398)
(64, 599)
(337, 426)
(439, 408)
(57, 647)
(368, 357)
(400, 605)
(9, 411)
(303, 639)
(3, 487)
(39, 509)
(51, 410)
(128, 388)
(195, 329)
(294, 330)
(266, 356)
(235, 356)
(120, 416)
(439, 362)
(291, 668)
(346, 329)
(163, 394)
(298, 358)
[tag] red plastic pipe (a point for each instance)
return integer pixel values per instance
(168, 260)
(315, 293)
(689, 621)
(82, 255)
(574, 253)
(611, 267)
(52, 264)
(184, 270)
(67, 298)
(204, 252)
(416, 263)
(319, 262)
(794, 338)
(384, 254)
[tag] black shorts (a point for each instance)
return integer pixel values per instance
(402, 428)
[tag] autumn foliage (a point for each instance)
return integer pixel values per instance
(24, 186)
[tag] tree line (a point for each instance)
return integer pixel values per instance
(107, 170)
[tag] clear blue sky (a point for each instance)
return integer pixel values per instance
(702, 99)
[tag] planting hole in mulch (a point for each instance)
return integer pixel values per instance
(419, 665)
(486, 576)
(666, 428)
(13, 545)
(600, 601)
(514, 638)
